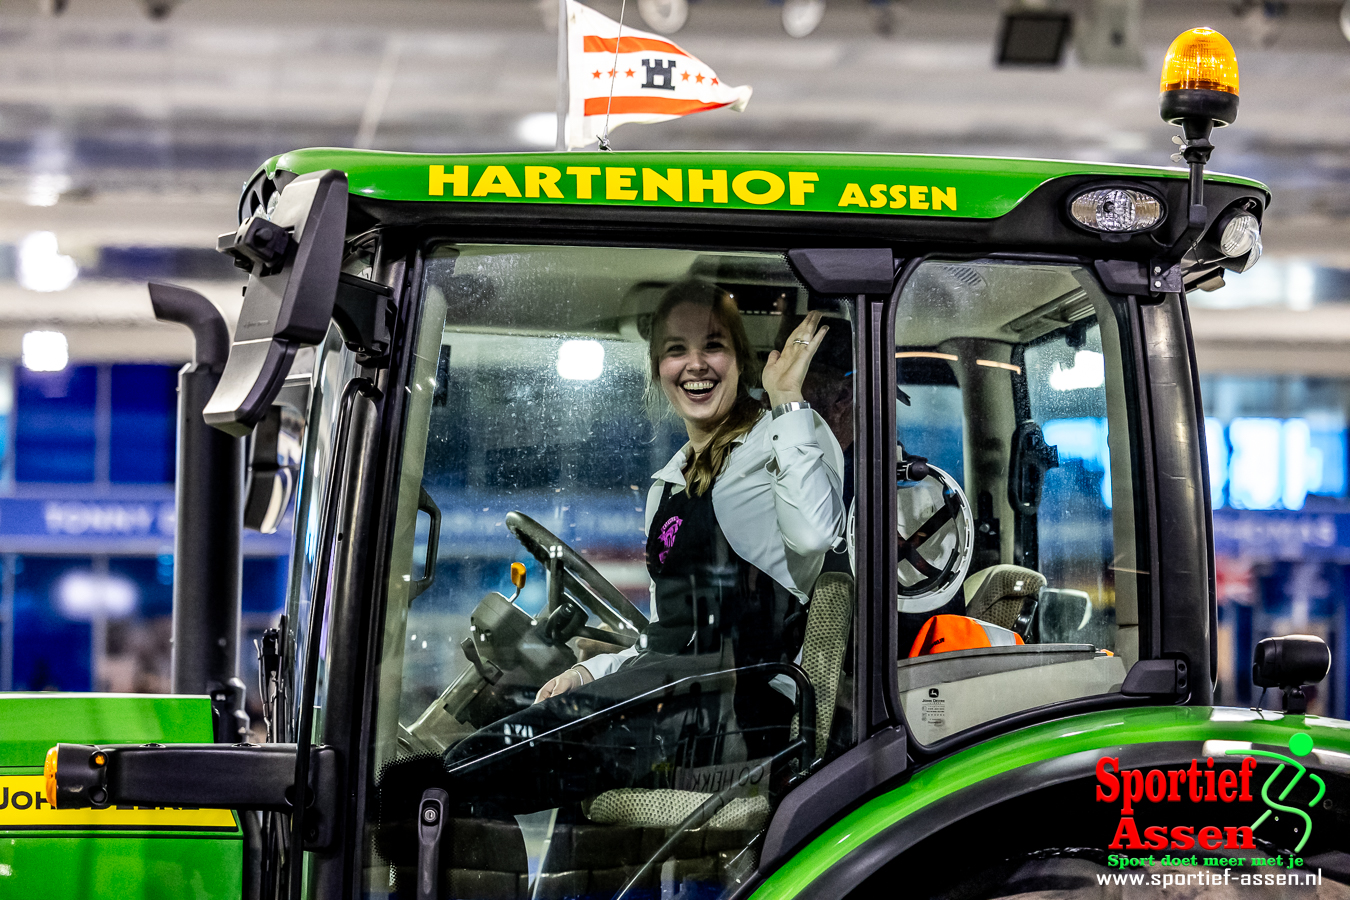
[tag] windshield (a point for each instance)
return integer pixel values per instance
(661, 440)
(1018, 578)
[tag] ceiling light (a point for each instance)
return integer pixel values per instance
(45, 189)
(1264, 19)
(886, 17)
(538, 129)
(801, 17)
(581, 360)
(85, 596)
(664, 16)
(45, 351)
(1110, 37)
(1033, 37)
(41, 267)
(1300, 286)
(159, 9)
(1345, 20)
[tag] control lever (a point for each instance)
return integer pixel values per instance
(518, 579)
(562, 624)
(430, 824)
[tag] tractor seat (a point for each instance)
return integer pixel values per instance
(1006, 596)
(828, 624)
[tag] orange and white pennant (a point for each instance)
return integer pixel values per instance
(633, 77)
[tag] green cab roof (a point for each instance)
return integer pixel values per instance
(967, 187)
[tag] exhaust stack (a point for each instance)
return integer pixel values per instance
(208, 484)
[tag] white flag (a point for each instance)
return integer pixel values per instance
(652, 79)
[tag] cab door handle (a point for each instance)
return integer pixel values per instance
(430, 824)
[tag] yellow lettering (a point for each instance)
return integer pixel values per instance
(672, 185)
(496, 180)
(878, 196)
(741, 185)
(941, 196)
(918, 196)
(458, 179)
(853, 196)
(897, 196)
(584, 175)
(717, 184)
(799, 185)
(618, 184)
(542, 179)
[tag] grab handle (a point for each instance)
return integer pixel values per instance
(427, 505)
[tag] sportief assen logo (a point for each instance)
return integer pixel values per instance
(1209, 783)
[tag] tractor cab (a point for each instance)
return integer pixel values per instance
(453, 367)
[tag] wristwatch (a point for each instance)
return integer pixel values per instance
(783, 409)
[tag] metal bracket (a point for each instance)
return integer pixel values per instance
(1164, 277)
(1122, 276)
(364, 313)
(1157, 678)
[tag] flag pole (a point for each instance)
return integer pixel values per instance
(562, 76)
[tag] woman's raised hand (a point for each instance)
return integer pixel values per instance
(784, 372)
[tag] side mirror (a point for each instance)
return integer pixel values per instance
(294, 258)
(1290, 663)
(274, 452)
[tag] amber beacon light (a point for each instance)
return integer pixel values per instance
(1199, 87)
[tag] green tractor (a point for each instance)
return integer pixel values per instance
(993, 676)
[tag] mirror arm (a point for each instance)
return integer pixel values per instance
(207, 776)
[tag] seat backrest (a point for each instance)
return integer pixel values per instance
(828, 624)
(999, 594)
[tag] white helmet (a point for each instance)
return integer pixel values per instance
(935, 537)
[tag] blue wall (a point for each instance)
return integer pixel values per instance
(91, 492)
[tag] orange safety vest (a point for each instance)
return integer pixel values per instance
(947, 632)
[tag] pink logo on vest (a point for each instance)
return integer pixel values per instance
(667, 536)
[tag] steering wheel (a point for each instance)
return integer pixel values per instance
(571, 574)
(934, 540)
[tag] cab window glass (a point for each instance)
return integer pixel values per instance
(619, 658)
(1018, 583)
(334, 366)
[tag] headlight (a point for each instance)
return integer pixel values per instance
(1116, 210)
(1240, 236)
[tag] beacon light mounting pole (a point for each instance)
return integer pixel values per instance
(1199, 92)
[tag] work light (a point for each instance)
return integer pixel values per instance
(1116, 210)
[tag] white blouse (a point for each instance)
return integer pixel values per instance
(779, 501)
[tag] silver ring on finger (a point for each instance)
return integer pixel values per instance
(799, 341)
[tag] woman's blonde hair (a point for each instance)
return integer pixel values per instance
(702, 470)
